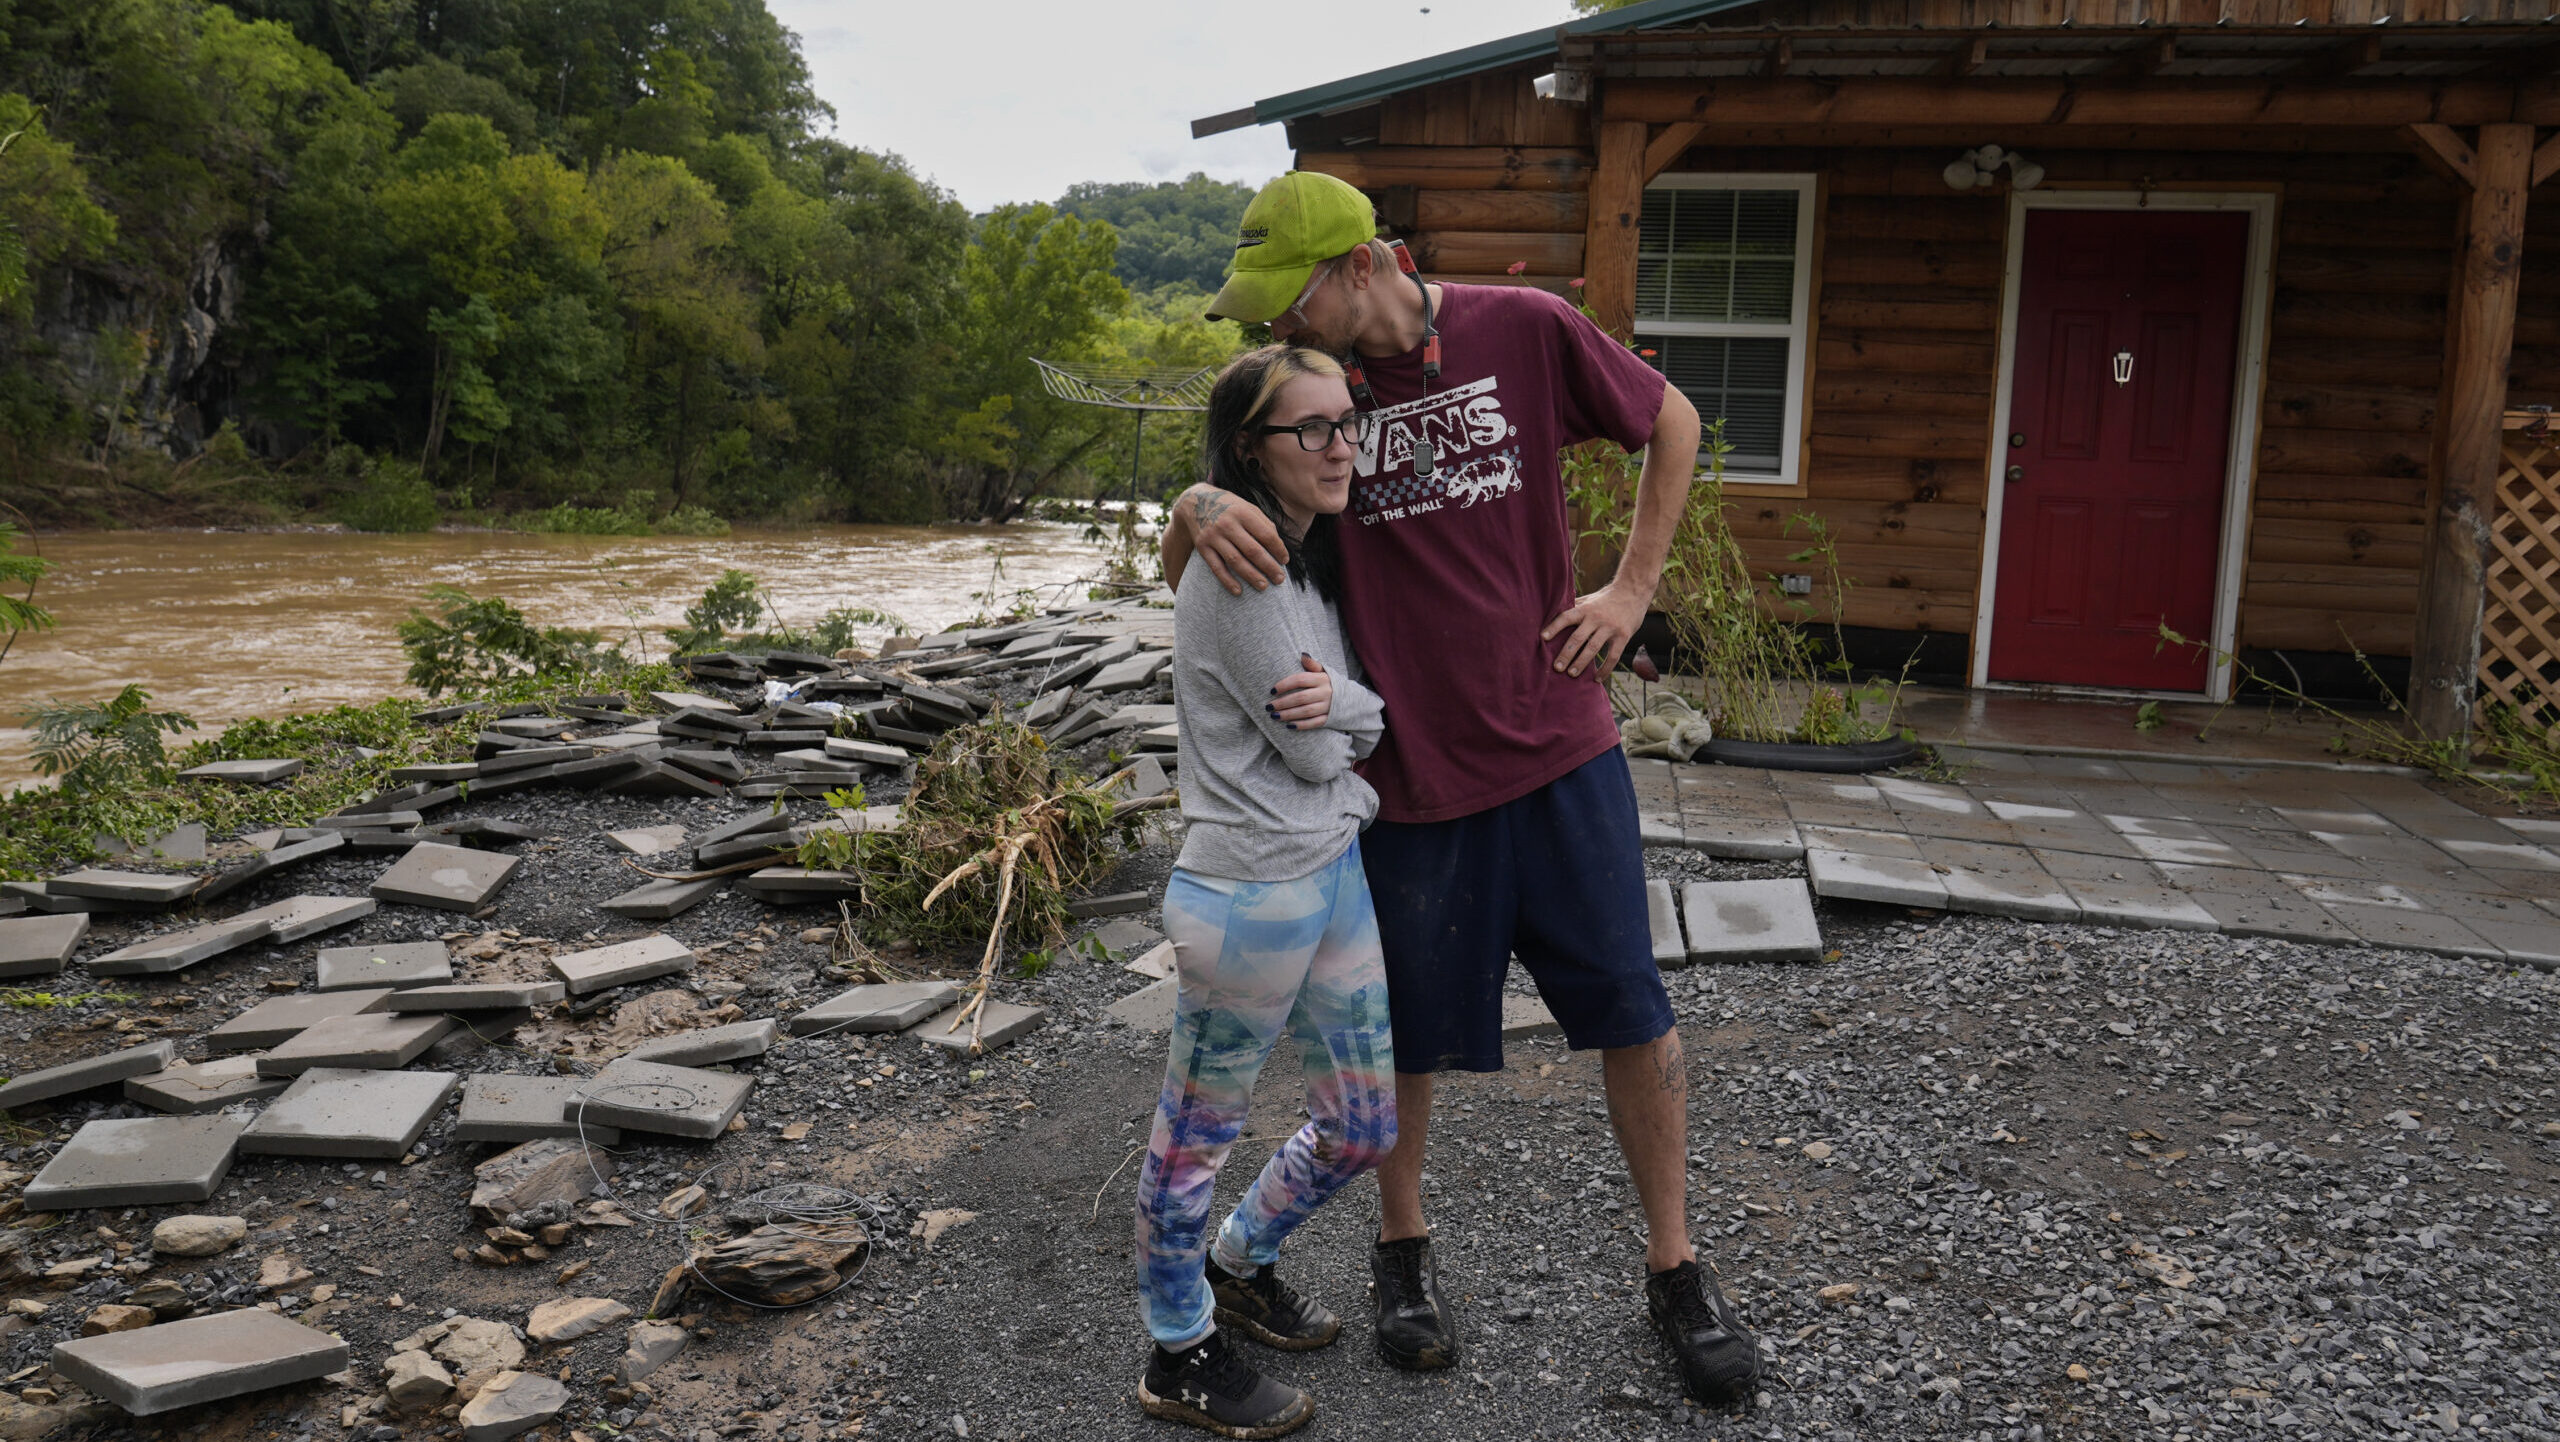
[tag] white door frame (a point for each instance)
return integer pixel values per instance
(2247, 382)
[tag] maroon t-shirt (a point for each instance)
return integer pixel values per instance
(1447, 581)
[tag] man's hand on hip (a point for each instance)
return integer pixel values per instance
(1235, 538)
(1602, 625)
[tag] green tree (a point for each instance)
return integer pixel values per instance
(1173, 233)
(667, 248)
(47, 214)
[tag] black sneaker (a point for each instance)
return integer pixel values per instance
(1719, 1358)
(1415, 1329)
(1211, 1386)
(1270, 1310)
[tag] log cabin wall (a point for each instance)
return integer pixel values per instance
(1477, 175)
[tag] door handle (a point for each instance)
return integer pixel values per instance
(2017, 473)
(2124, 367)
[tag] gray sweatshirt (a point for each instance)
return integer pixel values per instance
(1265, 803)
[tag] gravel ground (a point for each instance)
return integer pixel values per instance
(2087, 1183)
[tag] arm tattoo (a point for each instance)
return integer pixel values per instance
(1670, 1068)
(1208, 506)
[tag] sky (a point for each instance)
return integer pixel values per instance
(1015, 100)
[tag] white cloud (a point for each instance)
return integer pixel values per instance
(1006, 100)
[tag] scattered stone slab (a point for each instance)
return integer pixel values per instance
(659, 900)
(187, 1235)
(1848, 876)
(2113, 891)
(1149, 1008)
(200, 1359)
(647, 840)
(1662, 920)
(40, 945)
(297, 917)
(893, 1007)
(801, 886)
(710, 1045)
(1526, 1016)
(78, 1076)
(280, 1019)
(136, 1162)
(1750, 921)
(244, 773)
(550, 1169)
(415, 1381)
(375, 1041)
(1004, 1021)
(116, 1317)
(399, 965)
(446, 878)
(869, 753)
(652, 1345)
(1117, 904)
(183, 948)
(471, 996)
(1998, 881)
(342, 1112)
(512, 1403)
(692, 701)
(648, 1096)
(1124, 938)
(1750, 838)
(2409, 930)
(1156, 962)
(522, 1109)
(566, 1319)
(147, 888)
(622, 963)
(204, 1087)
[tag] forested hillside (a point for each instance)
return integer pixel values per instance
(394, 259)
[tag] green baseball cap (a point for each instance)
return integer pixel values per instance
(1296, 223)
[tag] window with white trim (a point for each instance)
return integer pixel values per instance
(1724, 266)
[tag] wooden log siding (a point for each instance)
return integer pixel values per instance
(1905, 352)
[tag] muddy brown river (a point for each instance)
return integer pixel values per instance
(230, 624)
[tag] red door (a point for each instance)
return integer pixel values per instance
(2119, 428)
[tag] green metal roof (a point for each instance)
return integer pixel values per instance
(1491, 55)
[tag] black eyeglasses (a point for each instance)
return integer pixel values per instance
(1316, 435)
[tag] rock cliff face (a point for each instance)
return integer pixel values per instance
(140, 360)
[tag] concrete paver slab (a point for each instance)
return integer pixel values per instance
(1741, 837)
(1750, 921)
(371, 1040)
(522, 1109)
(340, 1112)
(446, 878)
(2286, 918)
(245, 773)
(1125, 938)
(646, 1096)
(1149, 1008)
(1155, 963)
(2411, 930)
(2116, 892)
(40, 945)
(1527, 1016)
(150, 888)
(178, 950)
(1662, 920)
(281, 1018)
(658, 900)
(1850, 877)
(1004, 1022)
(893, 1007)
(1998, 881)
(647, 840)
(1860, 842)
(471, 996)
(624, 962)
(96, 1071)
(207, 1086)
(200, 1359)
(2188, 850)
(2529, 940)
(273, 860)
(710, 1045)
(297, 917)
(2509, 854)
(137, 1162)
(397, 964)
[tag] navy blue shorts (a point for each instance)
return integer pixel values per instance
(1555, 877)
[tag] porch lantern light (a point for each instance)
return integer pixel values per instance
(1979, 169)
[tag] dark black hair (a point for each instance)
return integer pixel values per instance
(1243, 398)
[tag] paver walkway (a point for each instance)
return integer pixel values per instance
(2308, 855)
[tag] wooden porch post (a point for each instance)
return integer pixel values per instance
(1617, 208)
(2481, 320)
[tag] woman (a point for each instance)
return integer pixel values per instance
(1268, 910)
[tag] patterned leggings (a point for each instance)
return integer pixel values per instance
(1253, 957)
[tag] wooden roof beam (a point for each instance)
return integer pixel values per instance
(1897, 100)
(2148, 58)
(2445, 153)
(1966, 58)
(2546, 159)
(1667, 145)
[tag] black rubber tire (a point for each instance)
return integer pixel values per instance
(1801, 756)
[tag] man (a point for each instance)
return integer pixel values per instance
(1507, 821)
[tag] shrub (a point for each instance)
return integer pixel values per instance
(394, 497)
(100, 746)
(472, 644)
